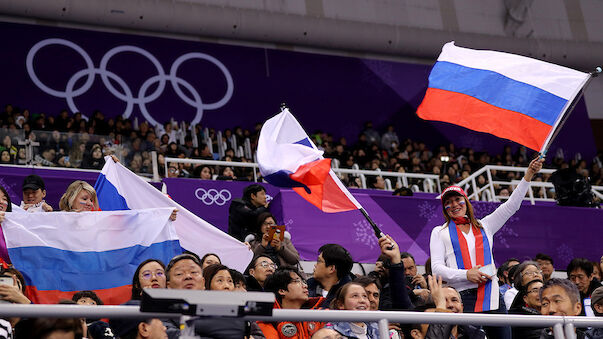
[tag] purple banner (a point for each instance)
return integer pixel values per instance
(222, 86)
(408, 219)
(56, 181)
(543, 228)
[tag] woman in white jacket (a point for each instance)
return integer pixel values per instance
(461, 249)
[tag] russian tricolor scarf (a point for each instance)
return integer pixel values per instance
(483, 257)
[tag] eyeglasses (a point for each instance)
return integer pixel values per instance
(534, 290)
(531, 273)
(266, 264)
(268, 223)
(299, 282)
(147, 275)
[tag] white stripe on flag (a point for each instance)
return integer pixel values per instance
(559, 80)
(194, 233)
(89, 231)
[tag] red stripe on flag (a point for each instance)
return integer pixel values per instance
(109, 296)
(325, 193)
(479, 246)
(469, 112)
(479, 303)
(464, 249)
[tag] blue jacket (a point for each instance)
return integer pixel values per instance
(345, 329)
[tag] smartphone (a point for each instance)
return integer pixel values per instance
(277, 231)
(6, 280)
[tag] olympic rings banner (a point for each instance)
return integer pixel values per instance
(48, 69)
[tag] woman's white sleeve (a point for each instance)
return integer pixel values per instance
(499, 217)
(438, 260)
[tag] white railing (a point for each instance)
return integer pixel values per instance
(487, 191)
(563, 327)
(430, 182)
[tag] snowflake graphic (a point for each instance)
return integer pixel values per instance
(503, 234)
(10, 189)
(364, 234)
(482, 209)
(427, 210)
(565, 253)
(288, 224)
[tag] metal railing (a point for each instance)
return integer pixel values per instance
(430, 182)
(487, 191)
(563, 327)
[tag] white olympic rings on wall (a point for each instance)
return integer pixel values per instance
(126, 95)
(213, 196)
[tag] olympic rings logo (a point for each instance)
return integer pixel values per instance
(213, 196)
(126, 95)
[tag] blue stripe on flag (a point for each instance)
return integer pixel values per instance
(305, 142)
(487, 295)
(487, 252)
(282, 179)
(454, 237)
(109, 198)
(487, 261)
(55, 269)
(497, 90)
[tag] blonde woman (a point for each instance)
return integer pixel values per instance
(79, 197)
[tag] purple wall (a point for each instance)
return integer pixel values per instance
(329, 93)
(543, 228)
(562, 232)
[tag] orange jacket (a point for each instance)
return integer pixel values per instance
(293, 330)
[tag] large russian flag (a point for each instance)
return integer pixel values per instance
(511, 96)
(288, 158)
(118, 188)
(61, 253)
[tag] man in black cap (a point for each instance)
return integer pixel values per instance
(34, 192)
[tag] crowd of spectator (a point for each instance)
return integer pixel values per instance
(528, 287)
(69, 140)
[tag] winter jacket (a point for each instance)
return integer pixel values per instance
(293, 329)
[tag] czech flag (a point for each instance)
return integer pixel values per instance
(510, 96)
(118, 188)
(61, 253)
(288, 158)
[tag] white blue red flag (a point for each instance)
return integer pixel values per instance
(510, 96)
(118, 188)
(61, 253)
(288, 158)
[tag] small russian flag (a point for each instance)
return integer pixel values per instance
(288, 158)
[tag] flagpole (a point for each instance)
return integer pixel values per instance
(564, 116)
(378, 233)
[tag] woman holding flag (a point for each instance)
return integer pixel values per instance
(461, 249)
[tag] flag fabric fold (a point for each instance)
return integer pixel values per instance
(61, 253)
(510, 96)
(288, 158)
(118, 188)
